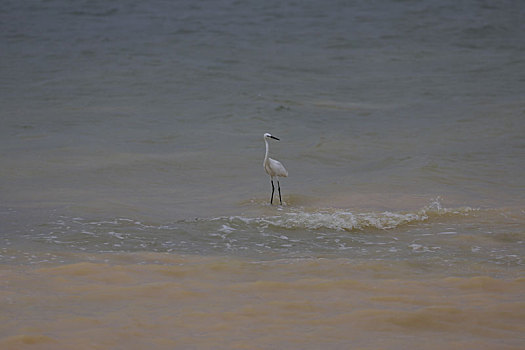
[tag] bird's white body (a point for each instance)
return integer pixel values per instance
(273, 167)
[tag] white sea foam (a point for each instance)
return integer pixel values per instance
(226, 229)
(344, 220)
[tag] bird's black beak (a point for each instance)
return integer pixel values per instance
(275, 138)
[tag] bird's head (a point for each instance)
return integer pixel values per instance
(270, 136)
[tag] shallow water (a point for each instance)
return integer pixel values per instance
(167, 301)
(134, 210)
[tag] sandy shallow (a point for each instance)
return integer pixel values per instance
(162, 301)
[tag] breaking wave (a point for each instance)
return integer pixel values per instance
(290, 232)
(344, 220)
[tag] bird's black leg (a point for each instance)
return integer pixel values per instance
(279, 187)
(273, 189)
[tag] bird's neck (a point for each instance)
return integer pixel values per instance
(266, 154)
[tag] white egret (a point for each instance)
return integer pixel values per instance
(273, 167)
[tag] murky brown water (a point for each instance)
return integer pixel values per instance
(169, 301)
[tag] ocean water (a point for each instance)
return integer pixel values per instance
(134, 208)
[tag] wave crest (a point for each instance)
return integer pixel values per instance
(344, 220)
